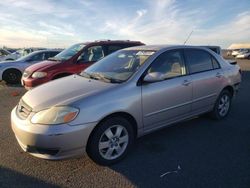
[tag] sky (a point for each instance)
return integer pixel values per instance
(61, 23)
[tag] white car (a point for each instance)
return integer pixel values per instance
(238, 51)
(235, 52)
(3, 53)
(11, 56)
(244, 54)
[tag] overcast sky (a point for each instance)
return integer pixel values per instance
(60, 23)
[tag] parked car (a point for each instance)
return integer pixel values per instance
(125, 95)
(11, 56)
(236, 52)
(244, 54)
(11, 71)
(3, 53)
(18, 54)
(72, 60)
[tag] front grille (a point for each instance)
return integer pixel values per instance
(23, 110)
(43, 151)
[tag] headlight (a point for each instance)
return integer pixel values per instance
(55, 115)
(39, 74)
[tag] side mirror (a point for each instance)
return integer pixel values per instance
(154, 77)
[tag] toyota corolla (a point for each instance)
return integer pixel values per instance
(125, 95)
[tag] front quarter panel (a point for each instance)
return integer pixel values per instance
(126, 98)
(17, 66)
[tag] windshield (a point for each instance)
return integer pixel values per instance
(68, 53)
(117, 67)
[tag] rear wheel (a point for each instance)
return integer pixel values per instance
(110, 141)
(12, 76)
(222, 105)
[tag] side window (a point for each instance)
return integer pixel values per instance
(93, 53)
(215, 63)
(113, 48)
(170, 63)
(198, 60)
(38, 57)
(50, 54)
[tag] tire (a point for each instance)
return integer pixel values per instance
(105, 147)
(12, 76)
(222, 106)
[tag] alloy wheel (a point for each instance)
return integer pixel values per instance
(113, 142)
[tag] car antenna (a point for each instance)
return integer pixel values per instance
(188, 37)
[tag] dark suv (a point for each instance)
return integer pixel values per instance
(72, 60)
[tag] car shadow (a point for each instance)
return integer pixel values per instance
(10, 178)
(197, 153)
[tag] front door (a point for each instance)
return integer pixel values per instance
(88, 57)
(166, 101)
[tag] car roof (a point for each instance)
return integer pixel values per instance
(149, 47)
(112, 42)
(52, 50)
(161, 47)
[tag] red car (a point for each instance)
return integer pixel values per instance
(71, 61)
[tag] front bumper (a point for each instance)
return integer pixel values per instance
(29, 83)
(51, 142)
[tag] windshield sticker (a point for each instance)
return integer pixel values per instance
(147, 53)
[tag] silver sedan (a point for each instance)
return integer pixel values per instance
(125, 95)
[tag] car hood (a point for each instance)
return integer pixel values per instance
(42, 65)
(63, 91)
(4, 64)
(8, 62)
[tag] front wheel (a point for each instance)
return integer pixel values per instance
(12, 76)
(222, 105)
(110, 141)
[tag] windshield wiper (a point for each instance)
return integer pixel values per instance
(99, 76)
(106, 78)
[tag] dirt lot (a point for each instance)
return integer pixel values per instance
(202, 152)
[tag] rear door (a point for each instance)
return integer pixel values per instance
(168, 100)
(206, 76)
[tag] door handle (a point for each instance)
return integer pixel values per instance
(186, 82)
(218, 75)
